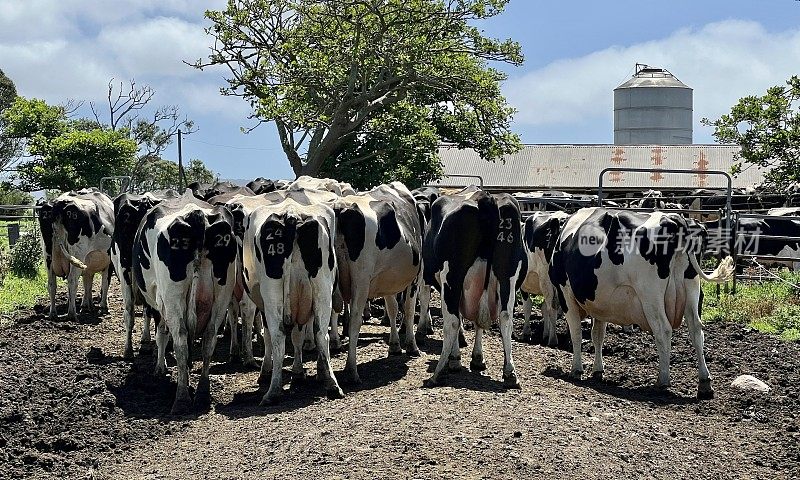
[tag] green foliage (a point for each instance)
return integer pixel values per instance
(9, 148)
(21, 292)
(771, 307)
(160, 174)
(338, 79)
(768, 130)
(67, 154)
(11, 195)
(399, 144)
(26, 255)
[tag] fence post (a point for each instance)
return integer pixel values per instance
(13, 234)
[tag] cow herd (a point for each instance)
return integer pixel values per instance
(288, 259)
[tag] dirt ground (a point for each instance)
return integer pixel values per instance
(70, 407)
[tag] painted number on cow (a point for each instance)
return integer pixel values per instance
(178, 243)
(506, 235)
(223, 240)
(72, 215)
(275, 248)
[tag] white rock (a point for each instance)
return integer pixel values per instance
(749, 382)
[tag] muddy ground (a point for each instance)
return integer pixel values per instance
(71, 407)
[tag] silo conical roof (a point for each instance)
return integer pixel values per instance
(653, 77)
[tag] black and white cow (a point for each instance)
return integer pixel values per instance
(473, 255)
(305, 182)
(633, 269)
(184, 266)
(540, 234)
(205, 191)
(289, 272)
(76, 235)
(129, 210)
(378, 249)
(769, 236)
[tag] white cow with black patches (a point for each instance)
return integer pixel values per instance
(184, 266)
(540, 234)
(473, 255)
(378, 248)
(289, 270)
(633, 269)
(76, 236)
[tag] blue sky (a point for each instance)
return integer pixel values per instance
(576, 53)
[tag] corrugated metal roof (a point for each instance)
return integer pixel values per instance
(578, 166)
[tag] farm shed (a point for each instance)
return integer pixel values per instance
(576, 168)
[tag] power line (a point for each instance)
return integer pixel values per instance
(187, 139)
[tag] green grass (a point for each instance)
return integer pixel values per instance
(770, 307)
(20, 292)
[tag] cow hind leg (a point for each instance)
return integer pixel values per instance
(574, 324)
(410, 342)
(86, 303)
(266, 363)
(203, 393)
(51, 290)
(477, 363)
(336, 339)
(424, 327)
(351, 367)
(248, 312)
(598, 336)
(462, 337)
(324, 368)
(449, 343)
(510, 379)
(662, 332)
(691, 314)
(72, 291)
(278, 339)
(105, 282)
(128, 315)
(233, 323)
(162, 338)
(390, 304)
(298, 372)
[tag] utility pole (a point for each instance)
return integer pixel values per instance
(181, 174)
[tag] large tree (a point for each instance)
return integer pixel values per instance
(65, 154)
(128, 108)
(767, 127)
(334, 75)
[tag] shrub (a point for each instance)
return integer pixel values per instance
(4, 265)
(26, 255)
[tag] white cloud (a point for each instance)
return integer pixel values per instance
(721, 61)
(157, 46)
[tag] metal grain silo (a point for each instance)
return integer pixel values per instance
(652, 108)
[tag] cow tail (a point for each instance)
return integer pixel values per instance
(489, 214)
(194, 218)
(72, 260)
(723, 273)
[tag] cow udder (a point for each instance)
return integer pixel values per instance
(474, 292)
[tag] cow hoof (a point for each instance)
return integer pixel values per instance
(395, 349)
(52, 316)
(351, 377)
(455, 368)
(309, 347)
(335, 346)
(431, 382)
(597, 375)
(552, 343)
(334, 393)
(477, 366)
(705, 391)
(128, 355)
(511, 381)
(413, 352)
(145, 346)
(663, 386)
(576, 374)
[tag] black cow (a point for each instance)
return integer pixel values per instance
(205, 191)
(473, 255)
(76, 234)
(184, 266)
